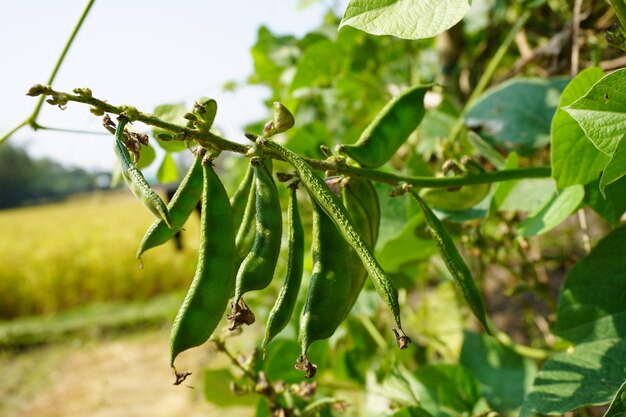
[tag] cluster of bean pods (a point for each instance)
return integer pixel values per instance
(240, 238)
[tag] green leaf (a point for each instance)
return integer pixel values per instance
(271, 55)
(570, 148)
(491, 363)
(411, 412)
(613, 206)
(217, 389)
(591, 304)
(317, 67)
(146, 156)
(616, 168)
(557, 209)
(529, 195)
(307, 139)
(446, 390)
(588, 375)
(516, 115)
(618, 405)
(167, 171)
(601, 113)
(408, 19)
(393, 255)
(172, 113)
(282, 353)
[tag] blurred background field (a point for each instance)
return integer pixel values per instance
(82, 251)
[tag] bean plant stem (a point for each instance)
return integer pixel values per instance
(33, 117)
(334, 165)
(484, 80)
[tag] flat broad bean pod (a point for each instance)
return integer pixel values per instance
(180, 207)
(135, 180)
(239, 199)
(333, 207)
(214, 279)
(455, 263)
(360, 199)
(257, 269)
(389, 130)
(329, 295)
(286, 301)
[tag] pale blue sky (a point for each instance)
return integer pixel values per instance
(134, 52)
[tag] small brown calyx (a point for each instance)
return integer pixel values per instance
(402, 339)
(180, 376)
(240, 315)
(303, 364)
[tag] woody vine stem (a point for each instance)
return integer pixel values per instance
(332, 164)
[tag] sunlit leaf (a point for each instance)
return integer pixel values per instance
(555, 211)
(601, 113)
(616, 168)
(408, 19)
(516, 115)
(167, 171)
(570, 148)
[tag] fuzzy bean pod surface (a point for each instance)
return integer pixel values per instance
(180, 207)
(214, 279)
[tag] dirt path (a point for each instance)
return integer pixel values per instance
(127, 377)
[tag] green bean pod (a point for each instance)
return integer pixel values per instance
(257, 269)
(135, 180)
(361, 201)
(333, 207)
(389, 130)
(246, 232)
(239, 199)
(286, 301)
(180, 207)
(455, 263)
(214, 280)
(328, 297)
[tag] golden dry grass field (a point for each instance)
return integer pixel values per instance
(57, 256)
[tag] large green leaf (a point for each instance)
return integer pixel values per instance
(618, 405)
(528, 195)
(592, 303)
(516, 115)
(571, 150)
(616, 168)
(555, 211)
(408, 19)
(393, 255)
(592, 314)
(588, 375)
(317, 67)
(601, 113)
(613, 206)
(167, 170)
(217, 390)
(491, 363)
(411, 412)
(448, 390)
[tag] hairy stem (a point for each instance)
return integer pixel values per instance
(334, 165)
(32, 120)
(488, 74)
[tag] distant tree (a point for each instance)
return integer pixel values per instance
(25, 180)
